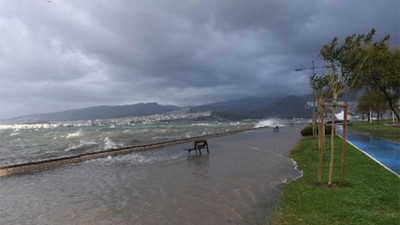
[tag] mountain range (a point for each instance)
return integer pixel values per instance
(245, 108)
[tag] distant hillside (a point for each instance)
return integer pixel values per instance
(237, 109)
(288, 107)
(237, 106)
(101, 112)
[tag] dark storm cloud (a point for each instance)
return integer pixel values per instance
(70, 54)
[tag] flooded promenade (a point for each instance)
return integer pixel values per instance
(238, 183)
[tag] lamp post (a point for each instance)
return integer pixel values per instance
(313, 73)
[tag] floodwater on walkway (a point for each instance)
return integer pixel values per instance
(238, 183)
(383, 151)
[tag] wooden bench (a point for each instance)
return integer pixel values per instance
(198, 145)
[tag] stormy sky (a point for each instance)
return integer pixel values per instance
(65, 54)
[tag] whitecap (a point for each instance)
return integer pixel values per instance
(81, 144)
(269, 123)
(109, 144)
(76, 134)
(163, 137)
(14, 132)
(200, 124)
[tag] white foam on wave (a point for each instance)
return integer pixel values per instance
(14, 132)
(75, 134)
(109, 144)
(234, 123)
(201, 124)
(146, 159)
(140, 159)
(81, 144)
(269, 123)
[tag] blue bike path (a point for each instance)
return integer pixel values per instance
(385, 152)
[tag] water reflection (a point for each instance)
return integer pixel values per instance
(198, 166)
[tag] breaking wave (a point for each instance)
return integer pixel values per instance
(82, 144)
(269, 123)
(108, 144)
(14, 132)
(76, 134)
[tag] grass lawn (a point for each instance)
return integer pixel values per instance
(371, 195)
(380, 130)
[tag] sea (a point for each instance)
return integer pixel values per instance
(22, 145)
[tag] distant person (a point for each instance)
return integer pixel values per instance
(276, 129)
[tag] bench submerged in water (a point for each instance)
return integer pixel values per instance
(198, 145)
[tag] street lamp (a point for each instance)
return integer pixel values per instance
(313, 73)
(313, 114)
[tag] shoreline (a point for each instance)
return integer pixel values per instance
(29, 167)
(239, 182)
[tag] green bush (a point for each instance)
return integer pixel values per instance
(307, 131)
